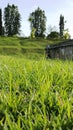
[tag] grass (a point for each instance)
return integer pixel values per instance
(36, 94)
(23, 46)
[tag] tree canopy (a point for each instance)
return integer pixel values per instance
(38, 21)
(11, 20)
(53, 35)
(0, 22)
(61, 24)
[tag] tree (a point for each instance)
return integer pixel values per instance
(53, 35)
(11, 20)
(66, 34)
(61, 24)
(38, 21)
(0, 22)
(33, 33)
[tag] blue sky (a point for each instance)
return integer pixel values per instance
(52, 8)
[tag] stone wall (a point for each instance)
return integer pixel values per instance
(63, 50)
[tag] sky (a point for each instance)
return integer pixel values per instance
(53, 9)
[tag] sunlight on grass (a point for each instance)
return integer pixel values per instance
(36, 94)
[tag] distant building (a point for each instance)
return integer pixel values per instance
(63, 50)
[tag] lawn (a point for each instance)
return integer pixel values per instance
(35, 94)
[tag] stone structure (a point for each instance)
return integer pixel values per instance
(63, 50)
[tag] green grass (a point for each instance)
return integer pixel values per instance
(36, 94)
(24, 47)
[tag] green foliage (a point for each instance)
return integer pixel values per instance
(11, 20)
(66, 34)
(37, 20)
(61, 24)
(36, 95)
(54, 35)
(0, 22)
(33, 33)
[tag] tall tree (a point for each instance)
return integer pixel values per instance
(11, 20)
(61, 24)
(0, 22)
(38, 21)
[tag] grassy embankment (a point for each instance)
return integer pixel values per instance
(24, 47)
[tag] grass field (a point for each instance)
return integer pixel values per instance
(36, 95)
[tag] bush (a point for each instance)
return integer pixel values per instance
(54, 35)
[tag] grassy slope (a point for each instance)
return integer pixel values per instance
(21, 46)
